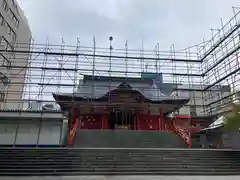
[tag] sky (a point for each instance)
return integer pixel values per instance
(183, 23)
(180, 22)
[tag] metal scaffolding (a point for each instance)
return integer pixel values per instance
(207, 74)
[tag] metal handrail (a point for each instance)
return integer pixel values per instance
(72, 132)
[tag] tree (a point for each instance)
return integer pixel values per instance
(233, 120)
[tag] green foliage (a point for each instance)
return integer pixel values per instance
(232, 123)
(233, 120)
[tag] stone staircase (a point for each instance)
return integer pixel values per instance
(107, 161)
(127, 139)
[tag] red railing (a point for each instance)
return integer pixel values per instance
(72, 132)
(180, 131)
(185, 134)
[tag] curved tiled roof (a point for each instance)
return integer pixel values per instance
(97, 92)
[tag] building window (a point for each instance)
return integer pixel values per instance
(14, 18)
(9, 29)
(14, 37)
(15, 6)
(13, 3)
(193, 111)
(5, 62)
(16, 22)
(219, 95)
(3, 42)
(10, 47)
(5, 6)
(193, 114)
(6, 45)
(11, 33)
(2, 20)
(2, 95)
(4, 81)
(5, 57)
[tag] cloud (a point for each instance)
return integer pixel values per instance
(180, 22)
(183, 23)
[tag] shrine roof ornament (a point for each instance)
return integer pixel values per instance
(124, 86)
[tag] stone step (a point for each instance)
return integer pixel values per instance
(117, 155)
(122, 171)
(141, 173)
(119, 158)
(122, 152)
(102, 163)
(115, 165)
(140, 161)
(118, 161)
(118, 169)
(73, 151)
(128, 139)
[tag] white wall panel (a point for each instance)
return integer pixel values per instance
(64, 131)
(7, 132)
(28, 132)
(32, 132)
(50, 133)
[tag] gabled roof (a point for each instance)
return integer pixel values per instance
(99, 89)
(216, 124)
(101, 93)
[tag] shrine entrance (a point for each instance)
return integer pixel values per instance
(122, 120)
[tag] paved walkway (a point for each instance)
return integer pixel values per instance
(126, 178)
(107, 148)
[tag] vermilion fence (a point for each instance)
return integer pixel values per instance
(72, 132)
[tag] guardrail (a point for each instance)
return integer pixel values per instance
(72, 132)
(183, 133)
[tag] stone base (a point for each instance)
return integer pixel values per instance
(126, 178)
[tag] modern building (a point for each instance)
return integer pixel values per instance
(14, 29)
(36, 105)
(203, 103)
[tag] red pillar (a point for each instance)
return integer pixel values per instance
(104, 121)
(134, 122)
(149, 112)
(103, 126)
(162, 120)
(161, 123)
(137, 121)
(80, 121)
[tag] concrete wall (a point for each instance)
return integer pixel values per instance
(32, 132)
(228, 140)
(231, 140)
(195, 104)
